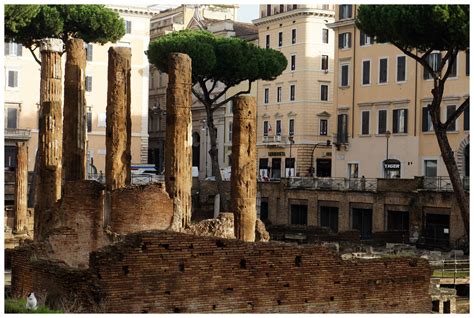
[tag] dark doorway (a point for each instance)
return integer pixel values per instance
(264, 209)
(196, 149)
(329, 217)
(299, 214)
(397, 221)
(446, 307)
(466, 161)
(362, 221)
(323, 167)
(276, 168)
(10, 157)
(436, 229)
(435, 306)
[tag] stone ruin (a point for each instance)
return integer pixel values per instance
(101, 245)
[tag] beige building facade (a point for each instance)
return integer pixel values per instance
(21, 93)
(295, 110)
(380, 109)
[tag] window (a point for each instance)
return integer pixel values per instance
(451, 109)
(454, 68)
(89, 52)
(292, 92)
(353, 170)
(382, 128)
(365, 122)
(431, 167)
(325, 35)
(383, 67)
(89, 121)
(265, 128)
(434, 61)
(467, 62)
(88, 83)
(101, 120)
(401, 69)
(466, 119)
(366, 72)
(267, 41)
(128, 27)
(12, 81)
(400, 120)
(323, 127)
(13, 49)
(293, 36)
(293, 62)
(279, 94)
(397, 220)
(365, 39)
(266, 95)
(12, 118)
(282, 8)
(344, 75)
(426, 124)
(278, 127)
(280, 39)
(324, 62)
(329, 217)
(324, 92)
(295, 6)
(345, 40)
(345, 11)
(269, 9)
(299, 214)
(342, 128)
(230, 132)
(291, 127)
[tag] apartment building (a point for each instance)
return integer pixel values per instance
(22, 83)
(218, 19)
(381, 121)
(294, 112)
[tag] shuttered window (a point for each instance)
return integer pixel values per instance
(365, 122)
(365, 72)
(324, 62)
(466, 119)
(382, 128)
(324, 92)
(434, 60)
(344, 75)
(345, 40)
(401, 68)
(451, 109)
(400, 121)
(426, 124)
(383, 63)
(342, 128)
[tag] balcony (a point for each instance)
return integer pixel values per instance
(15, 134)
(353, 184)
(442, 183)
(275, 140)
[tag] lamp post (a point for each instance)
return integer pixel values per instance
(290, 138)
(205, 128)
(387, 135)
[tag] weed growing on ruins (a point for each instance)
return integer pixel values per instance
(19, 306)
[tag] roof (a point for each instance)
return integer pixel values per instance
(244, 31)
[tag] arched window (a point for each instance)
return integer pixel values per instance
(196, 148)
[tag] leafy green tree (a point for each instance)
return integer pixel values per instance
(418, 30)
(228, 61)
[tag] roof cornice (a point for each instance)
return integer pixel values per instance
(341, 23)
(294, 13)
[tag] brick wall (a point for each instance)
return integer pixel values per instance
(163, 272)
(139, 208)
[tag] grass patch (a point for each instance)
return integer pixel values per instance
(19, 306)
(440, 273)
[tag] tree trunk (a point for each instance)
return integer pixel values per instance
(75, 115)
(50, 136)
(214, 154)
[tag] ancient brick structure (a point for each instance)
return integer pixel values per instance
(118, 130)
(244, 168)
(74, 141)
(165, 272)
(139, 208)
(48, 189)
(178, 161)
(21, 188)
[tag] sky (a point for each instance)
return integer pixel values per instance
(247, 12)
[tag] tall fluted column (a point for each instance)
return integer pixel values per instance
(243, 185)
(178, 148)
(118, 129)
(50, 135)
(21, 188)
(75, 120)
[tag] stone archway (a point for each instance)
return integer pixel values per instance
(196, 149)
(462, 154)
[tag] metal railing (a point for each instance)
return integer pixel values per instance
(455, 269)
(136, 178)
(442, 183)
(17, 133)
(357, 184)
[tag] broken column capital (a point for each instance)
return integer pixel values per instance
(51, 44)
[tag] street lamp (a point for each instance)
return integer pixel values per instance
(290, 138)
(205, 128)
(387, 135)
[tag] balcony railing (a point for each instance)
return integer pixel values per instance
(442, 183)
(17, 134)
(355, 184)
(136, 178)
(275, 139)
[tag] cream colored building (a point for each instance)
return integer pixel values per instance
(295, 110)
(22, 83)
(218, 19)
(380, 89)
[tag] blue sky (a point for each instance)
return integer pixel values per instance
(247, 12)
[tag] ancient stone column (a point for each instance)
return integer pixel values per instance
(50, 135)
(75, 115)
(21, 188)
(243, 186)
(119, 125)
(178, 147)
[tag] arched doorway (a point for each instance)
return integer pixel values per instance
(196, 149)
(466, 161)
